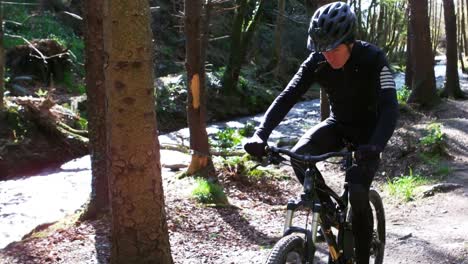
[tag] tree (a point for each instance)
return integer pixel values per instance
(462, 40)
(452, 82)
(423, 88)
(276, 61)
(243, 27)
(324, 103)
(2, 58)
(96, 105)
(409, 61)
(139, 228)
(201, 162)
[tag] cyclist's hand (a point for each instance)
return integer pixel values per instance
(367, 152)
(255, 146)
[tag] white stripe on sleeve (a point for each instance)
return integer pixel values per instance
(386, 79)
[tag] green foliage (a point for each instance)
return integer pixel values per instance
(16, 124)
(248, 130)
(404, 187)
(430, 159)
(243, 168)
(228, 138)
(81, 124)
(207, 192)
(399, 67)
(42, 93)
(443, 171)
(45, 26)
(403, 95)
(72, 85)
(20, 21)
(433, 143)
(172, 97)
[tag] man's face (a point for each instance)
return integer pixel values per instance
(338, 56)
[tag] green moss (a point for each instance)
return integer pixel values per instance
(207, 192)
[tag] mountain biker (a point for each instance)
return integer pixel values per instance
(363, 105)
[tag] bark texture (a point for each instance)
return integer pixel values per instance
(452, 82)
(139, 228)
(201, 162)
(96, 104)
(423, 88)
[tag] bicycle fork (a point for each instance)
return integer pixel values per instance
(311, 234)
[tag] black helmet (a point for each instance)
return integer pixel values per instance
(330, 26)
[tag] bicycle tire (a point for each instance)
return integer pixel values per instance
(378, 239)
(289, 249)
(378, 234)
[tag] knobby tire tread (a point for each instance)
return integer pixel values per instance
(285, 245)
(376, 201)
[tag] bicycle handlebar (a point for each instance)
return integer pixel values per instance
(307, 158)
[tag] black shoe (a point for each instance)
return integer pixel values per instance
(320, 238)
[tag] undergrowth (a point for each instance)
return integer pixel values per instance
(207, 192)
(404, 186)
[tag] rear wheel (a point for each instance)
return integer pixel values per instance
(377, 246)
(289, 249)
(378, 234)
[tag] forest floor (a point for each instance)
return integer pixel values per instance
(428, 230)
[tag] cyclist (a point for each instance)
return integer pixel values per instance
(363, 105)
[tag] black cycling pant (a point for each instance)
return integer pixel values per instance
(329, 136)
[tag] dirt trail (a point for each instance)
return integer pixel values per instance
(435, 229)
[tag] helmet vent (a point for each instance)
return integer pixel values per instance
(330, 26)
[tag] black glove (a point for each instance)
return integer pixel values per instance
(255, 146)
(367, 152)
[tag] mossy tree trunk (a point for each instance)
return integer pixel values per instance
(201, 162)
(452, 82)
(423, 88)
(243, 27)
(96, 106)
(139, 228)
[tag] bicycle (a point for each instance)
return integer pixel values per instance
(298, 244)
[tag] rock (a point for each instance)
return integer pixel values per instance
(441, 187)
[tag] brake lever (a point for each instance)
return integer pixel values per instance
(275, 158)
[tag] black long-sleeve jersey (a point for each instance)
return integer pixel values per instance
(362, 93)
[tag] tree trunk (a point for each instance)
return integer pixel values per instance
(139, 228)
(423, 83)
(452, 82)
(2, 58)
(464, 26)
(196, 102)
(96, 105)
(241, 36)
(409, 60)
(463, 36)
(231, 74)
(277, 37)
(460, 41)
(324, 104)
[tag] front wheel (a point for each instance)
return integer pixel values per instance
(289, 249)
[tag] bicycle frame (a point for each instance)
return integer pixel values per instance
(310, 199)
